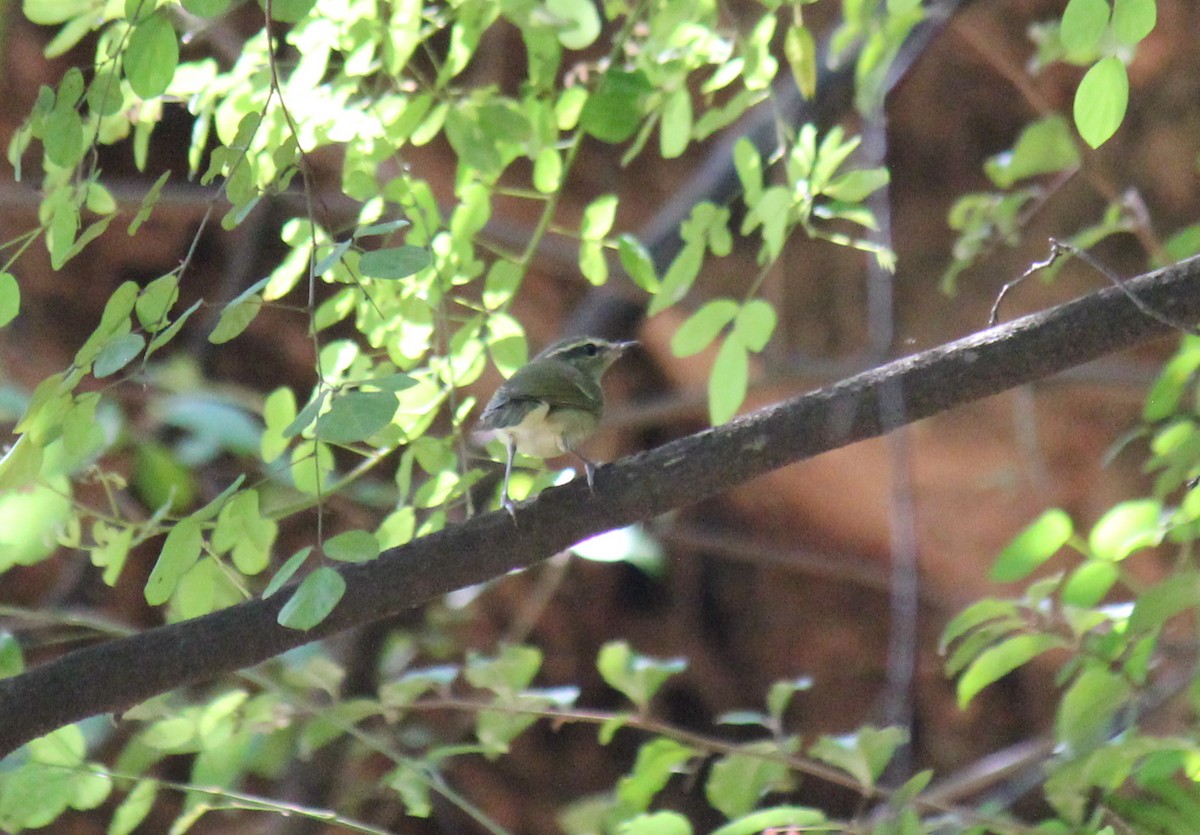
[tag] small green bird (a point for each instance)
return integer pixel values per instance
(552, 404)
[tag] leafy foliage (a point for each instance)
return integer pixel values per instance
(427, 299)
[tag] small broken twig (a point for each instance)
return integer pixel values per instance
(1060, 248)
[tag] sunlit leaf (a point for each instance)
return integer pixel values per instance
(1033, 546)
(728, 381)
(151, 56)
(998, 661)
(180, 551)
(1101, 100)
(10, 298)
(393, 263)
(702, 328)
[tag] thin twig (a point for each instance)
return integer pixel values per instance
(1060, 248)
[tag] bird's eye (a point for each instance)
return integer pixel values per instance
(591, 349)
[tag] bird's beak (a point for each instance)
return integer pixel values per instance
(622, 347)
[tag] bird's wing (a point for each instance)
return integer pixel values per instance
(557, 384)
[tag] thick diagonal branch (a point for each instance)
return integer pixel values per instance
(123, 672)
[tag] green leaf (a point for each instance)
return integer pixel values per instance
(801, 51)
(114, 318)
(728, 381)
(1159, 603)
(1044, 147)
(104, 94)
(118, 353)
(167, 334)
(11, 660)
(392, 382)
(1126, 528)
(411, 781)
(702, 328)
(134, 808)
(10, 298)
(148, 203)
(598, 217)
(206, 8)
(854, 186)
(1088, 707)
(656, 761)
(780, 694)
(111, 551)
(161, 479)
(614, 111)
(1164, 396)
(772, 211)
(495, 729)
(356, 416)
(863, 754)
(508, 673)
(386, 227)
(352, 546)
(501, 284)
(312, 602)
(996, 662)
(242, 529)
(637, 263)
(638, 677)
(287, 571)
(577, 22)
(307, 415)
(331, 258)
(156, 300)
(63, 138)
(50, 12)
(1033, 546)
(235, 319)
(680, 276)
(1101, 100)
(1083, 24)
(657, 823)
(1133, 20)
(592, 262)
(1089, 583)
(548, 170)
(780, 819)
(312, 464)
(288, 11)
(179, 553)
(738, 781)
(747, 161)
(754, 324)
(675, 126)
(151, 56)
(396, 262)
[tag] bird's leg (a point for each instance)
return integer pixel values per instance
(589, 470)
(505, 499)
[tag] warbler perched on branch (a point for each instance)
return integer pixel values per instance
(551, 404)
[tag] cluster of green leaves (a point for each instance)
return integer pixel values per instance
(432, 308)
(1104, 35)
(1116, 640)
(429, 296)
(819, 190)
(241, 732)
